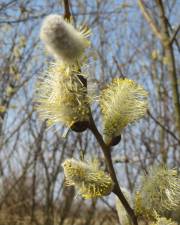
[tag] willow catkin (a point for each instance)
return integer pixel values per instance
(88, 179)
(160, 190)
(122, 102)
(61, 96)
(62, 40)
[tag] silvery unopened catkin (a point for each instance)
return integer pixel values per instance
(62, 40)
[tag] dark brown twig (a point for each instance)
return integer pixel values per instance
(106, 149)
(67, 13)
(107, 154)
(118, 67)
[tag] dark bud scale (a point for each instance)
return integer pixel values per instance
(80, 126)
(115, 140)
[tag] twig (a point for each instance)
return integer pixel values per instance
(171, 66)
(163, 127)
(174, 35)
(175, 39)
(149, 19)
(106, 149)
(107, 154)
(118, 67)
(165, 39)
(67, 13)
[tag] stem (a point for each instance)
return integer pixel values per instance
(107, 154)
(106, 149)
(67, 13)
(169, 53)
(166, 42)
(149, 19)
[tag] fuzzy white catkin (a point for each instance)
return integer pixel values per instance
(62, 40)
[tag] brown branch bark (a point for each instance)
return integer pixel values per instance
(67, 13)
(106, 149)
(107, 154)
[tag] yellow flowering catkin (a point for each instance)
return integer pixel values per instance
(160, 190)
(61, 96)
(163, 221)
(122, 102)
(89, 180)
(62, 40)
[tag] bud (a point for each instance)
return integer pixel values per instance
(62, 40)
(112, 141)
(122, 103)
(61, 97)
(89, 180)
(80, 126)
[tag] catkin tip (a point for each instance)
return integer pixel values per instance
(62, 40)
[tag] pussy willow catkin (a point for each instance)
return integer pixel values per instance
(61, 96)
(62, 40)
(122, 102)
(88, 179)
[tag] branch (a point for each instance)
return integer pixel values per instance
(118, 67)
(67, 13)
(149, 19)
(107, 154)
(163, 127)
(174, 35)
(106, 149)
(165, 39)
(171, 66)
(175, 38)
